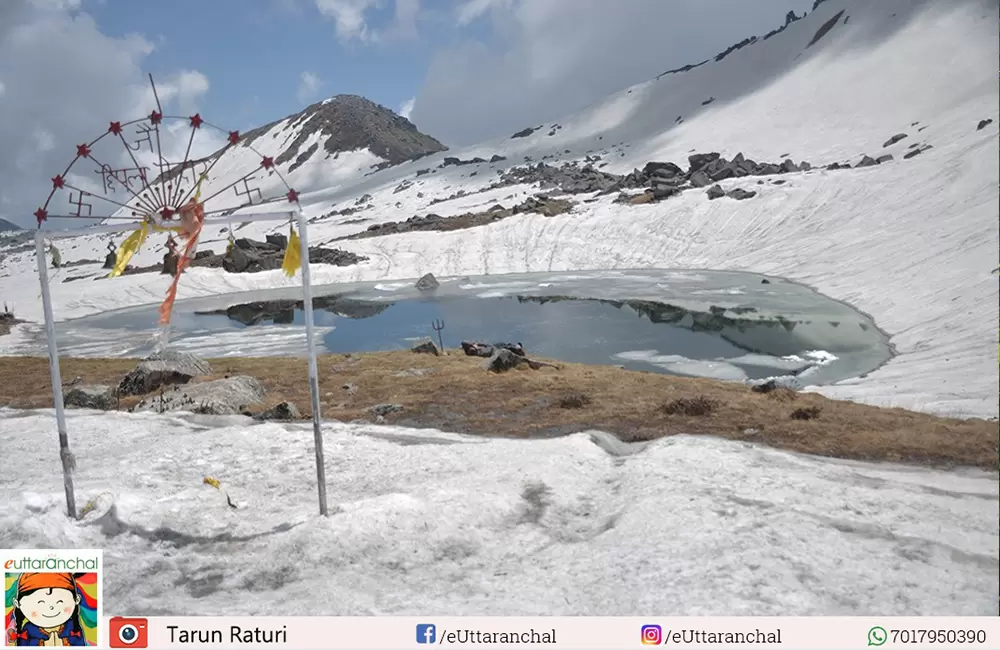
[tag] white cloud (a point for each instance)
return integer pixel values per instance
(309, 85)
(407, 107)
(547, 58)
(64, 82)
(348, 16)
(473, 9)
(350, 19)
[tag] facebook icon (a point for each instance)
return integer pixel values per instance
(426, 633)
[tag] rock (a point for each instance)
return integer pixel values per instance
(983, 124)
(382, 410)
(700, 179)
(227, 396)
(638, 199)
(280, 411)
(252, 244)
(893, 140)
(427, 347)
(665, 169)
(787, 166)
(427, 282)
(740, 194)
(765, 281)
(804, 166)
(867, 161)
(99, 397)
(163, 369)
(721, 174)
(766, 387)
(110, 260)
(169, 264)
(768, 169)
(700, 160)
(497, 158)
(883, 159)
(525, 132)
(915, 152)
(715, 192)
(236, 260)
(503, 360)
(277, 239)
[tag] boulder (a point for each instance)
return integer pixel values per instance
(426, 347)
(227, 396)
(277, 239)
(236, 260)
(740, 194)
(893, 140)
(503, 360)
(99, 397)
(866, 161)
(724, 172)
(163, 369)
(768, 169)
(715, 192)
(787, 166)
(382, 410)
(983, 124)
(427, 282)
(700, 160)
(252, 244)
(700, 179)
(169, 264)
(664, 169)
(495, 158)
(882, 159)
(281, 411)
(109, 260)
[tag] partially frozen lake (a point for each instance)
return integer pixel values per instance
(726, 325)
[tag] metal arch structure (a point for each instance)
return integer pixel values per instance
(158, 201)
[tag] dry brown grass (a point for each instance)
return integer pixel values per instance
(457, 394)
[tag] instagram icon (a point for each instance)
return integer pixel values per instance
(652, 634)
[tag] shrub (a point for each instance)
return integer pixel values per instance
(808, 413)
(693, 406)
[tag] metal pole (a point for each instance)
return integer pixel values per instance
(57, 395)
(307, 307)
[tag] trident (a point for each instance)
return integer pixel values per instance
(438, 325)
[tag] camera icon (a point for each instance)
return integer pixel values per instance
(128, 632)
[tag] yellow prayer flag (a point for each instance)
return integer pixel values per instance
(293, 255)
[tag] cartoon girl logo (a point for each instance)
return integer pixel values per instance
(47, 611)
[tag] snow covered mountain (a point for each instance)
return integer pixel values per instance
(6, 225)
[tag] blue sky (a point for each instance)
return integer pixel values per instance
(254, 52)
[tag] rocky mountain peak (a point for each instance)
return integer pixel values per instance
(348, 123)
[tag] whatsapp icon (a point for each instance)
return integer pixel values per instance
(877, 636)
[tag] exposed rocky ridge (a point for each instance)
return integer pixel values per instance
(539, 204)
(6, 225)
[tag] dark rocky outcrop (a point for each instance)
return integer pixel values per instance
(825, 28)
(524, 133)
(227, 396)
(282, 411)
(162, 369)
(99, 397)
(478, 349)
(916, 152)
(426, 347)
(983, 124)
(540, 204)
(427, 282)
(893, 140)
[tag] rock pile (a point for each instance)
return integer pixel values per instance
(251, 256)
(540, 204)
